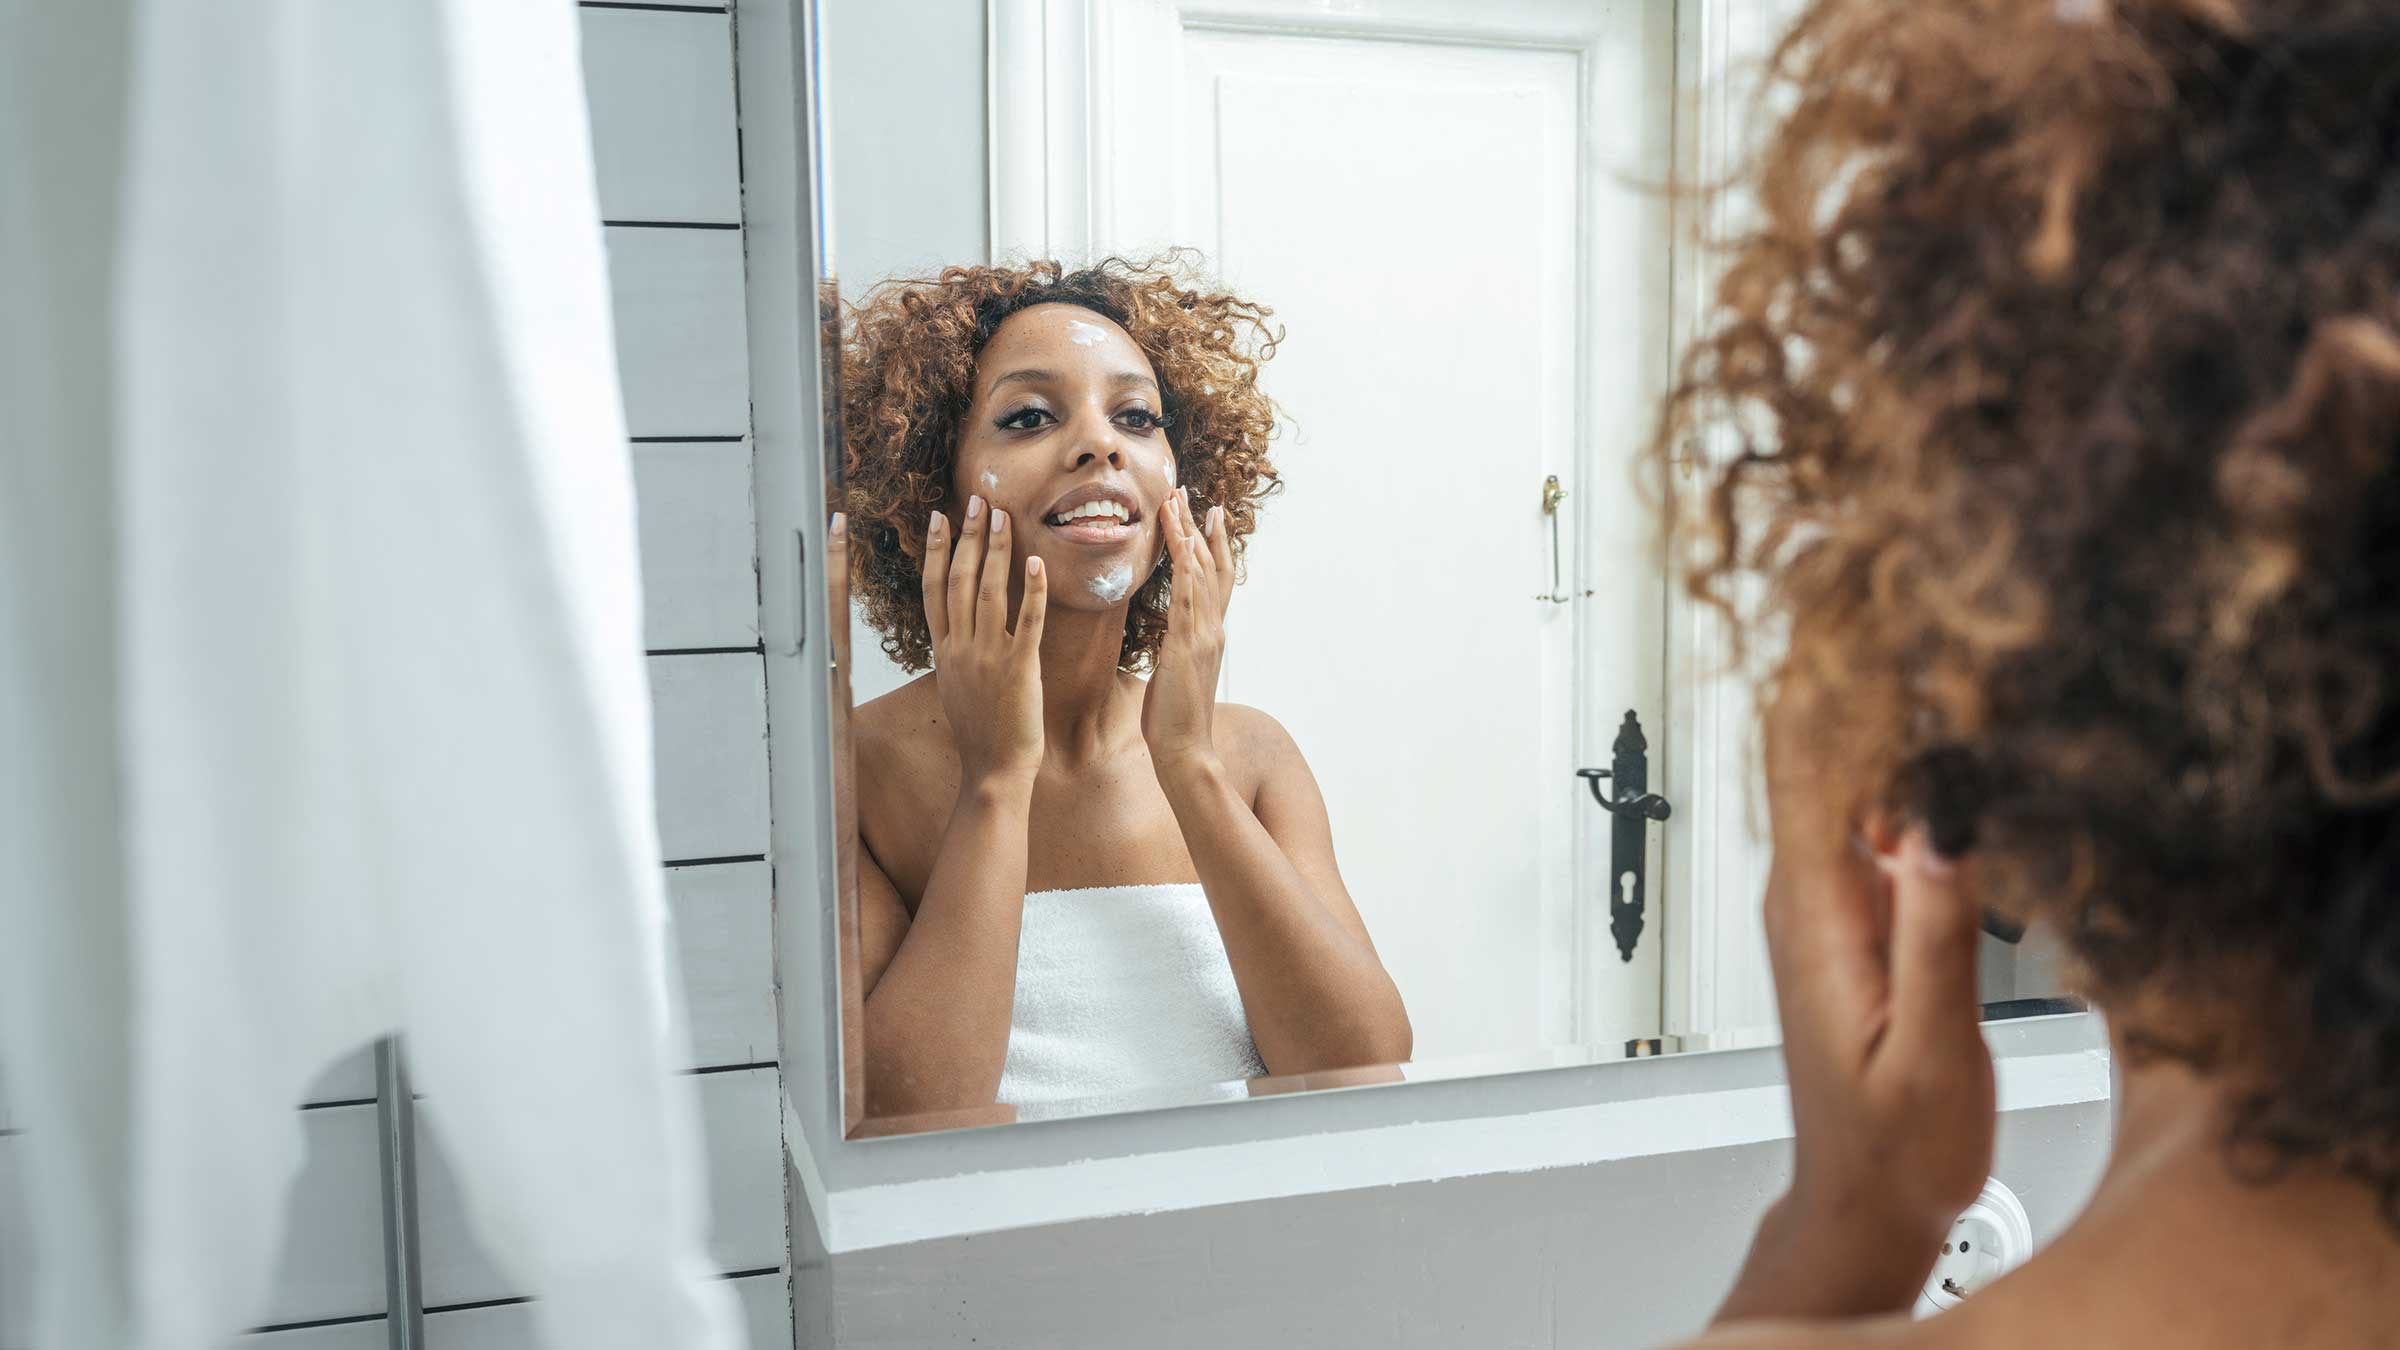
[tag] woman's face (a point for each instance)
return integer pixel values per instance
(1065, 435)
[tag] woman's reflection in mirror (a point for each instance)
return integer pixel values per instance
(1079, 873)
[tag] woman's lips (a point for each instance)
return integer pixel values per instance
(1095, 531)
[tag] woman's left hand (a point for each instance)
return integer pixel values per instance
(1182, 697)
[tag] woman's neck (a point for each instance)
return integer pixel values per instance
(1089, 708)
(2175, 1249)
(2163, 1109)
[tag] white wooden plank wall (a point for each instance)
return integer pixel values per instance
(509, 1326)
(765, 1310)
(332, 1265)
(698, 553)
(709, 715)
(660, 81)
(742, 1120)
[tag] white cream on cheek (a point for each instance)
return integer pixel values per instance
(1114, 584)
(991, 483)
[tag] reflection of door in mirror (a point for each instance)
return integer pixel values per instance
(1448, 225)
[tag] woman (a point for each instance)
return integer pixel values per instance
(1074, 880)
(2067, 346)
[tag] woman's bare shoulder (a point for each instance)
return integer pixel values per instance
(1255, 746)
(902, 765)
(901, 753)
(1252, 733)
(907, 718)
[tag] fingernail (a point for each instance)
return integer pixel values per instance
(999, 521)
(974, 507)
(1928, 861)
(841, 525)
(934, 526)
(1216, 517)
(1033, 567)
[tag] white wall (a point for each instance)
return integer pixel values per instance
(904, 93)
(905, 109)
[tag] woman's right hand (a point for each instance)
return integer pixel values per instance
(990, 679)
(1872, 936)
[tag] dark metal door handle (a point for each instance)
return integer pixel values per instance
(1634, 806)
(1649, 805)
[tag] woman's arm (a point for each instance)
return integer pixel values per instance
(1312, 988)
(1316, 995)
(941, 986)
(1871, 935)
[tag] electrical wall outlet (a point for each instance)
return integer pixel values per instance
(1990, 1239)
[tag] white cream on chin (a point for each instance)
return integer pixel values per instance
(1113, 585)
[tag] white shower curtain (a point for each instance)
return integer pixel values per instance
(323, 638)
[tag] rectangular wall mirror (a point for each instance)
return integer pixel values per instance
(1309, 350)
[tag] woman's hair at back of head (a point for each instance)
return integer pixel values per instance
(2058, 385)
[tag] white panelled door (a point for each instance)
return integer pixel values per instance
(1451, 208)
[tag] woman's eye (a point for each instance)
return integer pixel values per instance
(1023, 419)
(1141, 419)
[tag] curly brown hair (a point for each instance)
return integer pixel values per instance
(2057, 386)
(908, 378)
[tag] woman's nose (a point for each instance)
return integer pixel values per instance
(1095, 444)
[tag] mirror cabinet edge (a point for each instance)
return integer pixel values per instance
(782, 205)
(2044, 1062)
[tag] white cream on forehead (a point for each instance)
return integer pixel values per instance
(1085, 334)
(1113, 584)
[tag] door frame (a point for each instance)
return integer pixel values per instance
(1718, 982)
(1052, 194)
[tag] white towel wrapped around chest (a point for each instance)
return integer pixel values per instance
(1122, 987)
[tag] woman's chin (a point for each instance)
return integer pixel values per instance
(1106, 582)
(1096, 577)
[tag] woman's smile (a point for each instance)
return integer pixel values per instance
(1095, 515)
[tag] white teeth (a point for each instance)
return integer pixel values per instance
(1093, 510)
